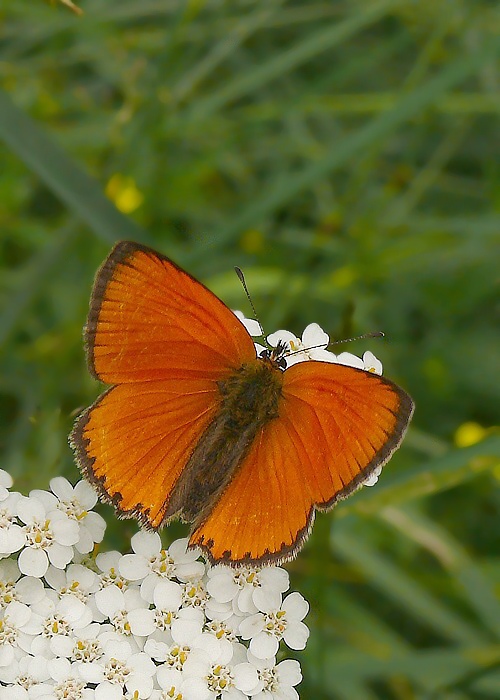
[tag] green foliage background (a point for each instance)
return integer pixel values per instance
(346, 156)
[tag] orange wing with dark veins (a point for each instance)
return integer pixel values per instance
(336, 425)
(165, 340)
(148, 318)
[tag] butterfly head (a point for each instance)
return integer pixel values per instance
(276, 355)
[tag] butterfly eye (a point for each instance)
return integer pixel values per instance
(281, 362)
(276, 356)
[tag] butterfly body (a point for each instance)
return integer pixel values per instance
(195, 426)
(249, 399)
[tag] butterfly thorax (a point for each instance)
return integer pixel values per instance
(249, 399)
(251, 394)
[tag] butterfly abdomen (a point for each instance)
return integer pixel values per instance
(249, 400)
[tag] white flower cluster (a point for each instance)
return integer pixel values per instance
(156, 623)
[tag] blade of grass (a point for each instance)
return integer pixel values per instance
(454, 558)
(36, 271)
(341, 152)
(285, 61)
(458, 104)
(485, 681)
(223, 49)
(430, 669)
(486, 225)
(400, 209)
(362, 627)
(80, 192)
(396, 584)
(13, 455)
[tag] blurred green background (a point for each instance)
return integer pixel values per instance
(346, 156)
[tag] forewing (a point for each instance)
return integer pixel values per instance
(150, 320)
(336, 425)
(134, 441)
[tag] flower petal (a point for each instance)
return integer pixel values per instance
(296, 635)
(62, 488)
(66, 531)
(347, 358)
(264, 645)
(59, 555)
(142, 622)
(246, 677)
(33, 562)
(146, 543)
(29, 509)
(296, 606)
(314, 335)
(85, 494)
(134, 567)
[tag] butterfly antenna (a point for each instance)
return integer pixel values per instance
(241, 278)
(374, 334)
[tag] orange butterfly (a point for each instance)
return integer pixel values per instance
(197, 427)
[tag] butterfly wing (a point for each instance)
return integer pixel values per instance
(148, 318)
(165, 340)
(336, 425)
(134, 441)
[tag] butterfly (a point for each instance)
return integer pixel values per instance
(196, 426)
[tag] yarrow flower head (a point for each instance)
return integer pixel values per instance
(77, 503)
(265, 630)
(49, 536)
(151, 564)
(248, 589)
(157, 623)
